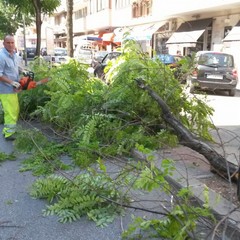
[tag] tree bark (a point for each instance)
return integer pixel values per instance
(218, 163)
(69, 28)
(37, 7)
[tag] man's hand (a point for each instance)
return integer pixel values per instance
(16, 84)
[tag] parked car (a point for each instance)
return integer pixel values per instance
(84, 56)
(31, 52)
(167, 59)
(174, 63)
(98, 57)
(99, 68)
(214, 71)
(170, 60)
(59, 56)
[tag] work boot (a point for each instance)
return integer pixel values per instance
(11, 137)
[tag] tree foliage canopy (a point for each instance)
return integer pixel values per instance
(10, 19)
(31, 8)
(28, 7)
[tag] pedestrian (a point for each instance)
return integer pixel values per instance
(179, 53)
(178, 57)
(9, 85)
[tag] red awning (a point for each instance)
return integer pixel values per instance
(108, 37)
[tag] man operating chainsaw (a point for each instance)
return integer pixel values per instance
(10, 85)
(9, 82)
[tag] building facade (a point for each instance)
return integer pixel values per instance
(159, 26)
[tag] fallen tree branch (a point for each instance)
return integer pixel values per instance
(188, 139)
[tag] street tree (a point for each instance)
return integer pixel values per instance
(10, 20)
(69, 27)
(35, 8)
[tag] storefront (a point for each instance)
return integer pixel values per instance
(232, 34)
(90, 39)
(108, 41)
(191, 36)
(143, 34)
(231, 44)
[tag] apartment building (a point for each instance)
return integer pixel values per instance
(159, 26)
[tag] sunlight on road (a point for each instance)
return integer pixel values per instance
(226, 110)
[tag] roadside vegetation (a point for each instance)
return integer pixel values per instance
(96, 125)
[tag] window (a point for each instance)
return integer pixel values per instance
(222, 60)
(102, 4)
(141, 8)
(98, 5)
(122, 3)
(227, 29)
(92, 6)
(57, 20)
(81, 13)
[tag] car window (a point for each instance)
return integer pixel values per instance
(110, 56)
(221, 60)
(100, 54)
(85, 52)
(60, 52)
(31, 52)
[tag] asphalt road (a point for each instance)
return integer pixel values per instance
(20, 215)
(21, 218)
(226, 118)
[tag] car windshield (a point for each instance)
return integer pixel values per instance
(60, 52)
(216, 59)
(100, 54)
(87, 52)
(111, 56)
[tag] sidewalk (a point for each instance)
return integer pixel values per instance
(21, 218)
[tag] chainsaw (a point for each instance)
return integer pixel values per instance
(27, 81)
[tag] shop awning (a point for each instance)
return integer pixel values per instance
(119, 33)
(91, 37)
(234, 34)
(108, 37)
(94, 38)
(139, 33)
(145, 32)
(189, 32)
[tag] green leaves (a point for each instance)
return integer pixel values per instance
(6, 157)
(105, 121)
(87, 194)
(27, 6)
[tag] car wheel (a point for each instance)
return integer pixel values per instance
(232, 92)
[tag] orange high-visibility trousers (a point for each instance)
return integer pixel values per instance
(10, 107)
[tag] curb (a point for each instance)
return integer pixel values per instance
(221, 207)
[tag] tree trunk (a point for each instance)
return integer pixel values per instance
(69, 28)
(37, 7)
(218, 163)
